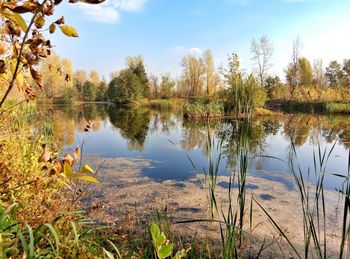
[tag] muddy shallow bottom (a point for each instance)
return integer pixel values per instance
(123, 190)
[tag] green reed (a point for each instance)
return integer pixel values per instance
(345, 191)
(313, 205)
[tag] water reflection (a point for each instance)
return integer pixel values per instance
(145, 133)
(132, 125)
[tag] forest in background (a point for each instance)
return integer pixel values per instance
(202, 79)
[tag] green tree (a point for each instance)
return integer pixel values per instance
(101, 92)
(136, 65)
(130, 84)
(305, 72)
(125, 88)
(244, 93)
(233, 75)
(89, 91)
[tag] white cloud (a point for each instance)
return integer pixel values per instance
(109, 11)
(187, 50)
(129, 5)
(100, 13)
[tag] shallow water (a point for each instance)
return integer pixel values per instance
(165, 139)
(144, 165)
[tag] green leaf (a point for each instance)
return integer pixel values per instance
(16, 18)
(86, 169)
(52, 28)
(161, 239)
(87, 178)
(166, 251)
(155, 232)
(69, 31)
(55, 235)
(31, 242)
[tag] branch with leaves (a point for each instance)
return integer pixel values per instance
(23, 45)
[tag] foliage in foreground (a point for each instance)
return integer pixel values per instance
(36, 210)
(66, 236)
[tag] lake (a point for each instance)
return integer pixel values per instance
(151, 159)
(165, 139)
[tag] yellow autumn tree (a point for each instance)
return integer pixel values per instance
(57, 76)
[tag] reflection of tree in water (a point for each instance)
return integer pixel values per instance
(164, 120)
(63, 127)
(301, 127)
(133, 125)
(195, 133)
(297, 128)
(67, 119)
(241, 133)
(89, 111)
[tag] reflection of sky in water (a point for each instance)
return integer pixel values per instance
(170, 161)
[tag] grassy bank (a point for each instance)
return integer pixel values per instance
(337, 108)
(37, 213)
(174, 104)
(309, 107)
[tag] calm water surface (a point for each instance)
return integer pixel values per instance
(164, 138)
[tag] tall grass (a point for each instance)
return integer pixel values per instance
(164, 104)
(230, 220)
(211, 173)
(64, 237)
(313, 204)
(337, 107)
(345, 191)
(197, 110)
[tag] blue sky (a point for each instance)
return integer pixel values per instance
(164, 31)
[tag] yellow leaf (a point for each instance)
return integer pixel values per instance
(87, 178)
(52, 28)
(86, 169)
(16, 18)
(39, 21)
(19, 75)
(68, 172)
(69, 31)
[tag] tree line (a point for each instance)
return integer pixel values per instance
(200, 78)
